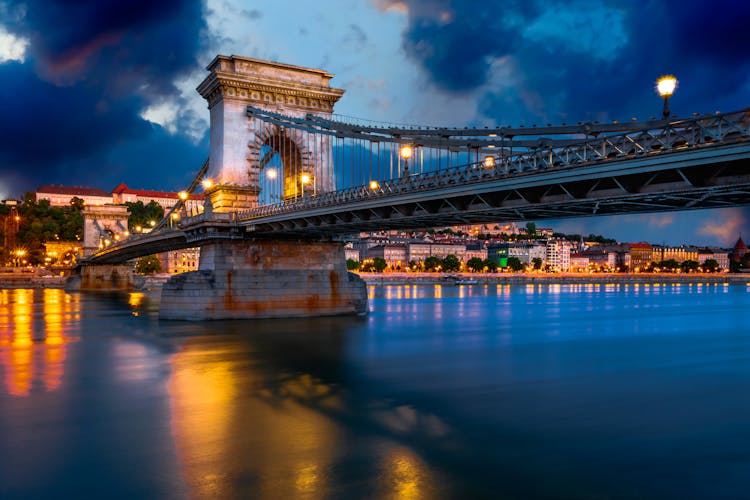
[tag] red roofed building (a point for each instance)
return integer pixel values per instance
(123, 194)
(61, 195)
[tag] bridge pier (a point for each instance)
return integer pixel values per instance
(247, 279)
(103, 277)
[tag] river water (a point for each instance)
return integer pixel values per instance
(498, 391)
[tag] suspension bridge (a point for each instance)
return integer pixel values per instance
(283, 167)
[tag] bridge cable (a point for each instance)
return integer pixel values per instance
(180, 202)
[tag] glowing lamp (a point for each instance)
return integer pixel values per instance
(272, 173)
(665, 86)
(305, 178)
(183, 195)
(489, 161)
(207, 183)
(406, 152)
(374, 185)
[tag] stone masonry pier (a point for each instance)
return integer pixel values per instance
(265, 279)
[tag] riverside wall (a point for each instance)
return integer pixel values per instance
(549, 278)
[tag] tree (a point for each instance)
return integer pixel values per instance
(380, 264)
(491, 265)
(531, 228)
(352, 265)
(669, 265)
(451, 263)
(142, 215)
(537, 262)
(689, 266)
(432, 263)
(515, 264)
(39, 223)
(149, 264)
(475, 264)
(77, 203)
(711, 266)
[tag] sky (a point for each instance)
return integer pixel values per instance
(98, 93)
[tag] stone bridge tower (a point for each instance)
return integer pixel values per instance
(103, 224)
(242, 145)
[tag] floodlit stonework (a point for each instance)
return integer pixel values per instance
(237, 140)
(265, 279)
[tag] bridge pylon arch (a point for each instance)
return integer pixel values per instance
(239, 143)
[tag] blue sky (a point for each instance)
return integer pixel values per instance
(95, 93)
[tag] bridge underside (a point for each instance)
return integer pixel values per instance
(476, 198)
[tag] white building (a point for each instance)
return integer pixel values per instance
(61, 195)
(527, 251)
(558, 254)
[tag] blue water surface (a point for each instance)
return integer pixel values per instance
(497, 391)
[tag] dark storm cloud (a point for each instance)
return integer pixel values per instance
(90, 69)
(139, 43)
(567, 57)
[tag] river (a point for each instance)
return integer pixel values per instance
(478, 391)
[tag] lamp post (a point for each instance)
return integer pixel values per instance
(406, 152)
(304, 180)
(665, 86)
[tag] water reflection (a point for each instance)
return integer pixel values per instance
(36, 326)
(231, 413)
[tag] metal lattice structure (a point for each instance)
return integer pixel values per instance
(459, 176)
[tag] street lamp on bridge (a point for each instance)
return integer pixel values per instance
(666, 86)
(406, 152)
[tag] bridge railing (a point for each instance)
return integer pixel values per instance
(675, 135)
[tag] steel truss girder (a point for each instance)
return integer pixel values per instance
(665, 190)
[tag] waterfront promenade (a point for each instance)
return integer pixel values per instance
(549, 278)
(27, 279)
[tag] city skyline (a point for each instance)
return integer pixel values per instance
(101, 94)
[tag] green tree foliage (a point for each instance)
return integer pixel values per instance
(375, 265)
(352, 264)
(689, 266)
(531, 229)
(491, 265)
(669, 265)
(142, 215)
(39, 223)
(537, 263)
(515, 264)
(475, 264)
(432, 263)
(380, 264)
(711, 266)
(451, 263)
(149, 264)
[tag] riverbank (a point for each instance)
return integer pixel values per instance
(26, 278)
(547, 278)
(155, 282)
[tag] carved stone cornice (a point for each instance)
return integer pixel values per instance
(265, 83)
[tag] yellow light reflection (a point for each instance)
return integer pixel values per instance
(27, 356)
(405, 474)
(221, 406)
